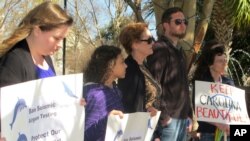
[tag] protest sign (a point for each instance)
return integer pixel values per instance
(43, 109)
(221, 103)
(137, 126)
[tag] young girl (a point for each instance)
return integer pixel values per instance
(100, 91)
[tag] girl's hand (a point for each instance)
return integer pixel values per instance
(117, 112)
(82, 103)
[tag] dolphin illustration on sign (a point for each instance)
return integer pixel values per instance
(149, 123)
(21, 104)
(68, 90)
(118, 134)
(22, 137)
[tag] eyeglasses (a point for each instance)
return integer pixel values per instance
(180, 21)
(149, 40)
(221, 61)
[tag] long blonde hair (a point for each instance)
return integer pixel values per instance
(47, 16)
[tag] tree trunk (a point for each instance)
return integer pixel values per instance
(189, 9)
(200, 32)
(159, 7)
(136, 7)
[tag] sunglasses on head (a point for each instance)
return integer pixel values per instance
(180, 21)
(149, 40)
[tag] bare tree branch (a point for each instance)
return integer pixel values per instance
(96, 22)
(8, 6)
(136, 7)
(83, 24)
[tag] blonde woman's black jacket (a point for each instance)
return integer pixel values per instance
(17, 66)
(168, 66)
(133, 87)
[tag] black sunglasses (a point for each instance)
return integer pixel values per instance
(149, 40)
(180, 21)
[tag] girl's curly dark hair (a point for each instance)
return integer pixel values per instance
(100, 64)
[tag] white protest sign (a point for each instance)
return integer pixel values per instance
(221, 103)
(135, 126)
(45, 109)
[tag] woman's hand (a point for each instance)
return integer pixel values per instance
(189, 124)
(117, 112)
(223, 127)
(157, 139)
(195, 135)
(152, 111)
(166, 121)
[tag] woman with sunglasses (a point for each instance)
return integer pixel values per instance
(211, 66)
(140, 91)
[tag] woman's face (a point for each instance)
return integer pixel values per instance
(219, 64)
(145, 44)
(48, 42)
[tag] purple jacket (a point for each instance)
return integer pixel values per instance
(100, 101)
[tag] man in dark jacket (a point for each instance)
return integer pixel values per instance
(168, 66)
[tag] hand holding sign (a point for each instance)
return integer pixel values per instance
(223, 127)
(117, 112)
(220, 103)
(2, 138)
(135, 126)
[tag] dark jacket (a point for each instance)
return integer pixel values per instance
(17, 65)
(133, 87)
(168, 66)
(205, 127)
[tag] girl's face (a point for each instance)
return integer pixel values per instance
(48, 42)
(219, 64)
(119, 67)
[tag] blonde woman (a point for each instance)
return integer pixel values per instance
(25, 55)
